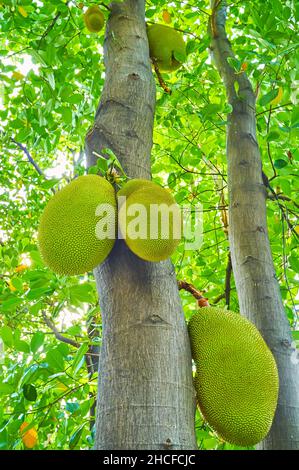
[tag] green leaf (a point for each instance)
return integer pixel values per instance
(11, 303)
(280, 163)
(295, 116)
(74, 330)
(75, 437)
(6, 389)
(21, 346)
(150, 13)
(36, 341)
(179, 57)
(273, 135)
(236, 87)
(55, 359)
(81, 293)
(34, 294)
(75, 99)
(72, 407)
(48, 184)
(268, 97)
(7, 336)
(79, 358)
(30, 374)
(29, 392)
(234, 63)
(294, 263)
(3, 439)
(66, 114)
(211, 109)
(64, 349)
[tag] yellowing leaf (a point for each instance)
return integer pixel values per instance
(166, 16)
(21, 268)
(11, 287)
(62, 387)
(29, 436)
(244, 66)
(278, 97)
(17, 76)
(23, 12)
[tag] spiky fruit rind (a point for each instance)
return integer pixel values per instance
(133, 185)
(167, 237)
(166, 45)
(94, 19)
(236, 375)
(67, 231)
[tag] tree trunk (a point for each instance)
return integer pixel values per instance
(145, 394)
(258, 290)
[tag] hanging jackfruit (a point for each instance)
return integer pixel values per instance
(68, 236)
(150, 221)
(236, 377)
(94, 19)
(166, 46)
(133, 185)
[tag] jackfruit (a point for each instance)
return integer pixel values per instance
(236, 377)
(94, 19)
(67, 237)
(134, 185)
(150, 221)
(166, 46)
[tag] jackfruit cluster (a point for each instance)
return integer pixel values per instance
(166, 46)
(236, 379)
(78, 227)
(94, 19)
(149, 220)
(67, 236)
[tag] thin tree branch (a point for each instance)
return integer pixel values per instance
(104, 5)
(282, 197)
(58, 335)
(220, 297)
(29, 157)
(160, 78)
(201, 300)
(274, 109)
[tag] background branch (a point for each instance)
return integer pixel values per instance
(58, 335)
(29, 157)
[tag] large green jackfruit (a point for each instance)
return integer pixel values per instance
(167, 46)
(67, 236)
(236, 377)
(153, 215)
(133, 185)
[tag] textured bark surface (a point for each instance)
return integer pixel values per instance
(256, 283)
(145, 394)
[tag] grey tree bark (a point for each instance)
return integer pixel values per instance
(256, 283)
(145, 391)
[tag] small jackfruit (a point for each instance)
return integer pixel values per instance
(94, 19)
(68, 238)
(236, 377)
(166, 46)
(150, 221)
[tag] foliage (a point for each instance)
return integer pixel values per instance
(52, 74)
